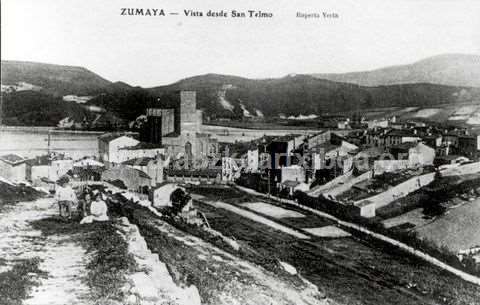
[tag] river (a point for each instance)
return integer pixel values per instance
(33, 142)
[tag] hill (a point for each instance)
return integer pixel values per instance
(304, 94)
(31, 108)
(220, 96)
(447, 69)
(55, 79)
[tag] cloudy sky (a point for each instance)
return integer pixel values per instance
(150, 51)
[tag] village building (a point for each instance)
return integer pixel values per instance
(160, 195)
(140, 150)
(117, 148)
(469, 145)
(377, 124)
(417, 154)
(47, 168)
(175, 123)
(13, 167)
(153, 167)
(253, 159)
(109, 145)
(395, 137)
(131, 178)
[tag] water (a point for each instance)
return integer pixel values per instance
(35, 143)
(31, 143)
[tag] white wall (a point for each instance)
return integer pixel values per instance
(114, 155)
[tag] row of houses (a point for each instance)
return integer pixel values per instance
(43, 169)
(445, 142)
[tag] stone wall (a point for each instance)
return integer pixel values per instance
(471, 168)
(398, 191)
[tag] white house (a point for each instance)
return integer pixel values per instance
(160, 195)
(109, 146)
(153, 167)
(12, 167)
(252, 160)
(49, 167)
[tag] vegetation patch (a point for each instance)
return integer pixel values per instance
(13, 193)
(16, 283)
(109, 259)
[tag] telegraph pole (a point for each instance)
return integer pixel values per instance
(1, 110)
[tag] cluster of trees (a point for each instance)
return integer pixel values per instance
(31, 108)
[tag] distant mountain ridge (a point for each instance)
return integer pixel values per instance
(305, 94)
(446, 69)
(225, 96)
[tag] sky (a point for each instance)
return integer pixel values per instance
(158, 50)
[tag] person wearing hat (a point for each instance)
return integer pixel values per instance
(65, 197)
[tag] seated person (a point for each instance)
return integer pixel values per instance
(98, 210)
(84, 204)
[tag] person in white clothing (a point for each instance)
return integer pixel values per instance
(98, 210)
(65, 197)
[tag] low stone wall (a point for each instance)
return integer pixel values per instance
(471, 168)
(331, 184)
(382, 166)
(348, 185)
(398, 191)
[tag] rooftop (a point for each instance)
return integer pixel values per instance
(143, 145)
(405, 145)
(108, 137)
(12, 159)
(401, 133)
(286, 138)
(143, 161)
(290, 183)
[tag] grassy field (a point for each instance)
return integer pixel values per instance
(459, 229)
(347, 269)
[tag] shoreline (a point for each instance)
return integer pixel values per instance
(45, 129)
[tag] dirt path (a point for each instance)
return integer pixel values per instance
(62, 259)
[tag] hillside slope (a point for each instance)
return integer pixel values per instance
(54, 79)
(447, 69)
(304, 94)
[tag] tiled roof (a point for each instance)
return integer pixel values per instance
(108, 137)
(143, 145)
(290, 183)
(142, 174)
(401, 133)
(286, 138)
(405, 145)
(138, 161)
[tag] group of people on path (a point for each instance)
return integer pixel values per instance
(91, 207)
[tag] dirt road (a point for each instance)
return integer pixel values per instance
(61, 260)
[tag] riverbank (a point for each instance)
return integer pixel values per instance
(44, 129)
